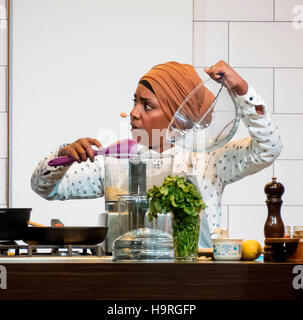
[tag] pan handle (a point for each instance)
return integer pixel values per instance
(35, 224)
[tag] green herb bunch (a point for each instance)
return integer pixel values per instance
(175, 195)
(183, 200)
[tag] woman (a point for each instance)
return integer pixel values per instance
(158, 95)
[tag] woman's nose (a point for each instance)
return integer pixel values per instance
(135, 113)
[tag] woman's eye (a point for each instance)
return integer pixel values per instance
(148, 107)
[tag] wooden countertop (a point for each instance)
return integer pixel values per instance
(107, 280)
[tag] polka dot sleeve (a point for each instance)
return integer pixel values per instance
(244, 157)
(79, 181)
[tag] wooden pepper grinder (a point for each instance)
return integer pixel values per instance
(274, 226)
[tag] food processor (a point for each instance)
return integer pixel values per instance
(131, 236)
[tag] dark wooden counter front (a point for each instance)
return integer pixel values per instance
(195, 281)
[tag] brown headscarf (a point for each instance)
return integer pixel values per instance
(172, 82)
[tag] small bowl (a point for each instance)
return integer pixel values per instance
(227, 249)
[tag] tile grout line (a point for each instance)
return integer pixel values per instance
(273, 102)
(193, 31)
(259, 205)
(289, 113)
(274, 10)
(9, 52)
(228, 42)
(245, 205)
(273, 89)
(238, 67)
(289, 159)
(228, 219)
(243, 21)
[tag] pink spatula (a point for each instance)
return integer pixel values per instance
(121, 149)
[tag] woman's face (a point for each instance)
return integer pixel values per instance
(147, 118)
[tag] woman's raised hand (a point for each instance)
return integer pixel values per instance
(231, 78)
(81, 149)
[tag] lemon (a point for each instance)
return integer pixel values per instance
(251, 250)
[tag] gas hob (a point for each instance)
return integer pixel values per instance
(12, 252)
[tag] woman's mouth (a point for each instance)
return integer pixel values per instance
(134, 127)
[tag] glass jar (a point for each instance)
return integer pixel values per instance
(298, 232)
(116, 181)
(287, 232)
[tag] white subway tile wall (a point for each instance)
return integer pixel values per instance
(263, 44)
(263, 41)
(290, 172)
(290, 127)
(210, 42)
(3, 42)
(292, 215)
(3, 88)
(249, 190)
(247, 222)
(3, 135)
(286, 10)
(3, 175)
(288, 80)
(3, 103)
(233, 10)
(3, 9)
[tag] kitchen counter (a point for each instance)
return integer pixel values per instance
(101, 278)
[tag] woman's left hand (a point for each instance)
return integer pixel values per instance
(232, 79)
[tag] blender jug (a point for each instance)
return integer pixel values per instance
(133, 176)
(137, 241)
(115, 184)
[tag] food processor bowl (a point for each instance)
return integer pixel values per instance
(209, 129)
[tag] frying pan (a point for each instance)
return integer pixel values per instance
(14, 223)
(65, 235)
(14, 226)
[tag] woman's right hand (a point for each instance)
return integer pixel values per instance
(81, 149)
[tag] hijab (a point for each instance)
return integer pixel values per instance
(172, 82)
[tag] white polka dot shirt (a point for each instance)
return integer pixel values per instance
(213, 170)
